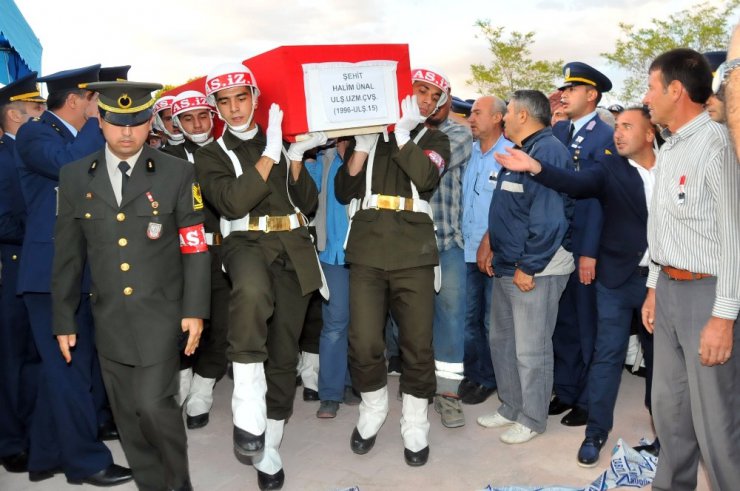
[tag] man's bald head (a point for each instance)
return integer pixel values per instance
(486, 117)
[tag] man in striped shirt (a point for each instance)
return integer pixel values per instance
(694, 282)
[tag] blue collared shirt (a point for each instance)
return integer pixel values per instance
(71, 128)
(479, 183)
(580, 122)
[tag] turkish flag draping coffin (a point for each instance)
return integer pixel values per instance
(340, 89)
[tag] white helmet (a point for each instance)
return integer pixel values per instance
(165, 102)
(190, 100)
(434, 77)
(229, 75)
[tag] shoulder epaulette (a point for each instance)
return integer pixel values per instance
(150, 165)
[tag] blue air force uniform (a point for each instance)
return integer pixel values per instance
(65, 421)
(575, 331)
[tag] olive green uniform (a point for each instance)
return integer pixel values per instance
(210, 359)
(392, 255)
(142, 288)
(273, 273)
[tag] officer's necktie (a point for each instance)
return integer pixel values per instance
(124, 168)
(570, 132)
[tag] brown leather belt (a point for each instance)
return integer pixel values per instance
(683, 275)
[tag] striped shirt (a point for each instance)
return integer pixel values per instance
(694, 219)
(446, 201)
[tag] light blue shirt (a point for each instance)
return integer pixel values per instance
(337, 221)
(479, 182)
(580, 122)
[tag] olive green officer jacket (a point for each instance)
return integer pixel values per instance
(386, 239)
(235, 197)
(142, 287)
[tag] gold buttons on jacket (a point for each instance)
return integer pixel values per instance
(14, 257)
(121, 217)
(122, 242)
(125, 266)
(87, 215)
(128, 291)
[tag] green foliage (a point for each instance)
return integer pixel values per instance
(702, 27)
(512, 67)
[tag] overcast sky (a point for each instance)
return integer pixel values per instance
(169, 41)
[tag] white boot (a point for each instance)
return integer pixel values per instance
(308, 367)
(373, 410)
(269, 460)
(248, 400)
(200, 399)
(414, 423)
(186, 379)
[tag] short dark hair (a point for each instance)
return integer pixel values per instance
(645, 111)
(56, 100)
(535, 103)
(690, 68)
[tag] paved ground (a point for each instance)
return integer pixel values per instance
(317, 457)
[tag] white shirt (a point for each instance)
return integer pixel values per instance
(648, 183)
(114, 173)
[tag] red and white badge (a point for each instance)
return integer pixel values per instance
(193, 239)
(436, 160)
(189, 101)
(163, 103)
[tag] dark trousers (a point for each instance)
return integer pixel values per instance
(311, 334)
(266, 314)
(573, 340)
(19, 361)
(477, 361)
(64, 430)
(149, 421)
(209, 360)
(409, 295)
(615, 309)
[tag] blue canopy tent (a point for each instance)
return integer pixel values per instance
(20, 49)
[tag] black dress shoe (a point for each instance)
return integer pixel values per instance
(360, 445)
(652, 448)
(247, 444)
(479, 394)
(415, 459)
(310, 395)
(557, 406)
(108, 431)
(38, 476)
(195, 422)
(465, 386)
(270, 481)
(186, 486)
(16, 463)
(576, 417)
(588, 454)
(112, 475)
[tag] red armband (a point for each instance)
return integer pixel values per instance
(436, 160)
(193, 239)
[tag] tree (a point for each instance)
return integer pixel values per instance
(512, 67)
(702, 27)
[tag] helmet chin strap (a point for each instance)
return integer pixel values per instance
(242, 128)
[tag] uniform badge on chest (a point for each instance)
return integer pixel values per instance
(154, 230)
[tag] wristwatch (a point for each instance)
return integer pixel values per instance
(723, 72)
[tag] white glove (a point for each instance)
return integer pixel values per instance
(410, 119)
(297, 149)
(365, 143)
(274, 134)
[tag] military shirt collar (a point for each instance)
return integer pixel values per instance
(71, 128)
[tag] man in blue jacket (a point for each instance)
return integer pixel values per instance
(527, 225)
(623, 184)
(19, 101)
(586, 136)
(65, 431)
